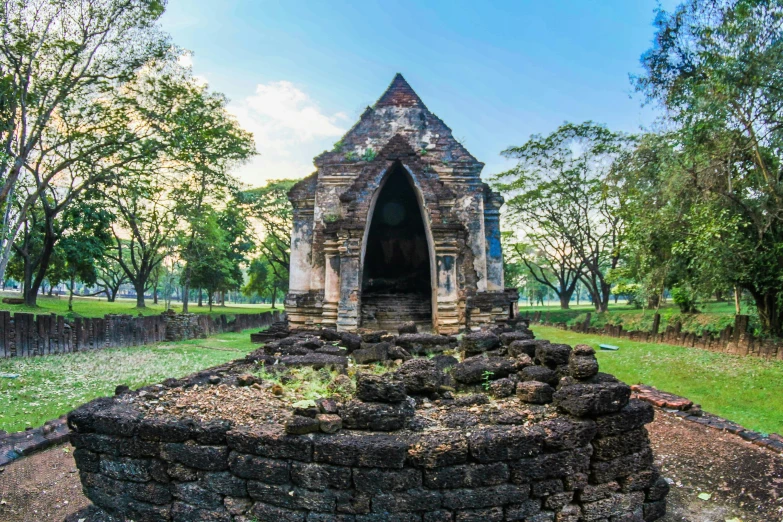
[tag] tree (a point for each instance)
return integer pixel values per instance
(60, 62)
(217, 249)
(164, 191)
(716, 67)
(265, 282)
(240, 242)
(210, 265)
(552, 265)
(258, 283)
(110, 276)
(270, 206)
(83, 245)
(82, 225)
(559, 199)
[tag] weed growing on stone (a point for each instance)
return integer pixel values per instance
(487, 379)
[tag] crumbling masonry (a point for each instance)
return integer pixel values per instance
(396, 225)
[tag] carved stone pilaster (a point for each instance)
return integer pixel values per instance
(349, 250)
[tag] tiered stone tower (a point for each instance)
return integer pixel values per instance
(396, 225)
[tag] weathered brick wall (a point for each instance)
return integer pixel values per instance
(27, 335)
(736, 340)
(589, 459)
(565, 470)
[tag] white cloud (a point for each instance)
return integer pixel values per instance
(185, 59)
(289, 129)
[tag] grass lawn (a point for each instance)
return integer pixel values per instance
(52, 385)
(99, 306)
(746, 390)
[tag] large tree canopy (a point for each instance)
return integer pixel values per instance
(717, 67)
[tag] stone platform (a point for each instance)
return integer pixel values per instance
(494, 426)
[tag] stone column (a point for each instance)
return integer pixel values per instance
(494, 251)
(331, 281)
(349, 308)
(300, 265)
(447, 320)
(301, 249)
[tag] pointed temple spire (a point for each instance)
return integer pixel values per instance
(399, 94)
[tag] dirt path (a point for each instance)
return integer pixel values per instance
(41, 487)
(745, 481)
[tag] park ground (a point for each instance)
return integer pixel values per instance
(53, 385)
(98, 307)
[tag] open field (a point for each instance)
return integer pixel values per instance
(99, 306)
(712, 317)
(746, 390)
(52, 385)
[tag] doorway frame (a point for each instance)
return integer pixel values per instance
(413, 182)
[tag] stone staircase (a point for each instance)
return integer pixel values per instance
(387, 311)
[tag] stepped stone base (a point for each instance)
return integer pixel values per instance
(388, 311)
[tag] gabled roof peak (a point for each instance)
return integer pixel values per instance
(399, 94)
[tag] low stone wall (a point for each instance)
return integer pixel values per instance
(736, 340)
(586, 455)
(28, 335)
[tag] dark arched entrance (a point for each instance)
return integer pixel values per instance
(396, 277)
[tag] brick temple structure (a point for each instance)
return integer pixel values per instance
(397, 225)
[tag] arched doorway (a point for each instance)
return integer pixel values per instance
(396, 271)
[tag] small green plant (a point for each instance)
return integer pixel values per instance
(331, 217)
(338, 146)
(486, 379)
(369, 154)
(351, 156)
(423, 152)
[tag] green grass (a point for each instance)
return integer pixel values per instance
(747, 390)
(99, 306)
(52, 385)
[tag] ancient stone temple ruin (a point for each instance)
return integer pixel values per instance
(396, 225)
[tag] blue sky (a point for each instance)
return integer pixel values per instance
(299, 73)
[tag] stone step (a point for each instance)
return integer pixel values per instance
(387, 311)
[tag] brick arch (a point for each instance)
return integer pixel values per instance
(356, 204)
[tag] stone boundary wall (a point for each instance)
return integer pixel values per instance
(736, 340)
(27, 335)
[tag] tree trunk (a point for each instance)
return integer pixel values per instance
(185, 295)
(209, 300)
(200, 298)
(770, 311)
(155, 294)
(186, 289)
(30, 297)
(70, 294)
(274, 296)
(564, 300)
(140, 295)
